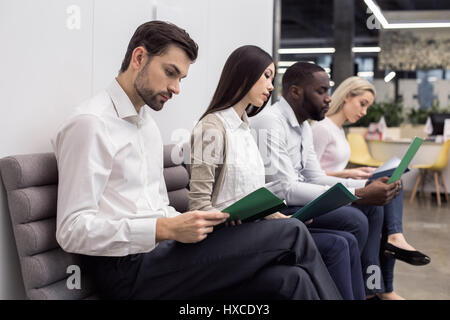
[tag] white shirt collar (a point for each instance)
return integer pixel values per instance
(233, 120)
(122, 103)
(287, 112)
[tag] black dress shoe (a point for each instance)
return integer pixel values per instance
(415, 258)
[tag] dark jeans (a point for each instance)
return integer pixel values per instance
(339, 251)
(393, 215)
(393, 223)
(365, 223)
(269, 259)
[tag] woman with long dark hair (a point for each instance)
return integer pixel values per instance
(244, 88)
(226, 164)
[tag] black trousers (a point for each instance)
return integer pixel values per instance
(268, 259)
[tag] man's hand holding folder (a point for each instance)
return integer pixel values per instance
(189, 227)
(378, 192)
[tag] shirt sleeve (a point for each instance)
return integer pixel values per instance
(272, 141)
(207, 158)
(169, 210)
(279, 167)
(314, 173)
(84, 154)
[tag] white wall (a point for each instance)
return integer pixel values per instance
(48, 68)
(218, 27)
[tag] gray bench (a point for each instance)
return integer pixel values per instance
(31, 183)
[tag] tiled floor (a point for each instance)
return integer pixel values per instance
(427, 228)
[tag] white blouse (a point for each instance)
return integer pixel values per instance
(244, 172)
(331, 145)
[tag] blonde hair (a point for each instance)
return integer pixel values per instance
(350, 87)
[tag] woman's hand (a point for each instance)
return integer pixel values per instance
(368, 169)
(276, 215)
(359, 173)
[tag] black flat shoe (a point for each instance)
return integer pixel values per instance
(415, 258)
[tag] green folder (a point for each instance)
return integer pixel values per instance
(335, 197)
(255, 205)
(415, 145)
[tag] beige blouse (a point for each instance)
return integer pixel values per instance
(208, 145)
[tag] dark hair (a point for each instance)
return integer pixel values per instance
(299, 73)
(242, 70)
(155, 37)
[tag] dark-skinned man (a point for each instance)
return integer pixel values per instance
(286, 144)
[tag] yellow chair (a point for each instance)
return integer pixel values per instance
(436, 168)
(360, 154)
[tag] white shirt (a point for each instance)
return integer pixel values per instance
(111, 188)
(244, 169)
(331, 145)
(288, 152)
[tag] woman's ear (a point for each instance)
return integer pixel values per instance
(347, 98)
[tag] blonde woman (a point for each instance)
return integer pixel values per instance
(349, 103)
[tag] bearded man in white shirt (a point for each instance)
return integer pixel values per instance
(286, 144)
(113, 207)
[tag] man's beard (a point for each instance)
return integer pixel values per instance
(314, 113)
(149, 97)
(147, 94)
(319, 114)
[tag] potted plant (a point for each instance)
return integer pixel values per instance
(420, 116)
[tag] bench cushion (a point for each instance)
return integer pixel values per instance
(31, 186)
